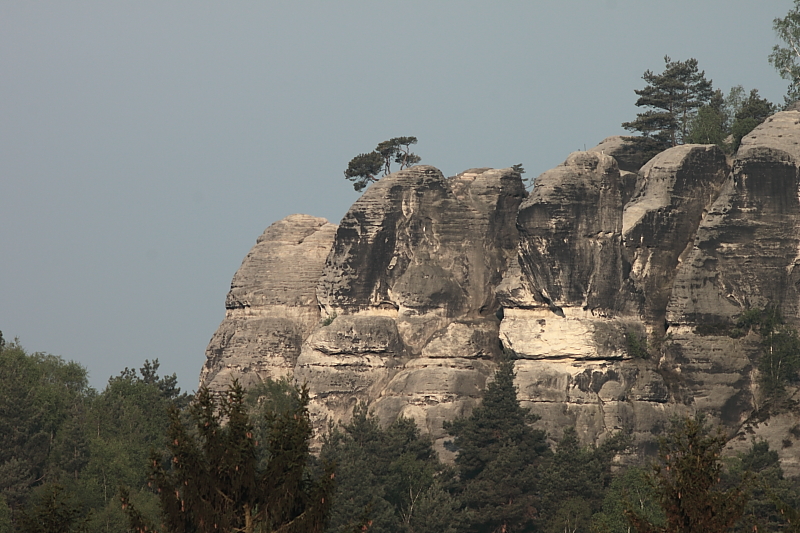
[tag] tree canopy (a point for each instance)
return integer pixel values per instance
(498, 456)
(672, 99)
(388, 480)
(786, 59)
(687, 484)
(363, 169)
(211, 480)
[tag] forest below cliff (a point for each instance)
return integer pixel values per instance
(72, 457)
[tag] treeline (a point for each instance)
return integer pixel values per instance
(142, 456)
(681, 106)
(67, 448)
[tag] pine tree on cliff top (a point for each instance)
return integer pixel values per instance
(672, 98)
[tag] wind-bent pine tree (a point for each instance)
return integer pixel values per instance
(363, 169)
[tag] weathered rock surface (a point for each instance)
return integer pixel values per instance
(628, 158)
(674, 190)
(426, 253)
(601, 281)
(272, 305)
(746, 248)
(570, 234)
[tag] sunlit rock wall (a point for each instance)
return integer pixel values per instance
(597, 281)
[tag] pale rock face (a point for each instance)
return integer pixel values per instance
(423, 253)
(348, 361)
(271, 307)
(628, 159)
(427, 279)
(577, 334)
(674, 190)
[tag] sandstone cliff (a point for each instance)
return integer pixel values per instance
(408, 302)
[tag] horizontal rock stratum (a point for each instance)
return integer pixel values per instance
(407, 304)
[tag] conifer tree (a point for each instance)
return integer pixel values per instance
(672, 98)
(574, 479)
(53, 509)
(363, 169)
(687, 484)
(753, 111)
(498, 453)
(771, 494)
(709, 125)
(388, 480)
(211, 480)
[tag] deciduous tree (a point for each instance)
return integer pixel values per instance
(786, 59)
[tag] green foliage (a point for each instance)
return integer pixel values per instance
(786, 59)
(211, 479)
(769, 492)
(687, 483)
(264, 401)
(520, 170)
(40, 395)
(398, 150)
(709, 126)
(329, 319)
(388, 479)
(637, 345)
(363, 169)
(498, 455)
(123, 424)
(725, 121)
(630, 489)
(52, 509)
(752, 112)
(5, 511)
(672, 98)
(779, 364)
(573, 480)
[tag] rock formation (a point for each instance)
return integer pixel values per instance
(603, 281)
(272, 305)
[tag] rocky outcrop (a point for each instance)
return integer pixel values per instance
(674, 191)
(272, 306)
(613, 282)
(418, 254)
(744, 256)
(746, 248)
(628, 158)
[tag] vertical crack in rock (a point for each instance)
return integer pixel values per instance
(673, 192)
(602, 280)
(426, 252)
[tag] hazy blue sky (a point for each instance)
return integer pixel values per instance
(144, 146)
